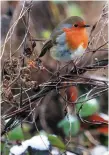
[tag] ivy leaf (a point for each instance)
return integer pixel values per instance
(56, 141)
(70, 125)
(89, 107)
(16, 134)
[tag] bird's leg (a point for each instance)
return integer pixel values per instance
(75, 68)
(57, 75)
(58, 68)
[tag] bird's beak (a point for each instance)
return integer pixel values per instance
(86, 26)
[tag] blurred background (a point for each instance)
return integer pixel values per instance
(52, 117)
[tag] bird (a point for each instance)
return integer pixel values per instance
(68, 40)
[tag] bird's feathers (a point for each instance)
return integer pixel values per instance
(67, 23)
(63, 53)
(48, 44)
(59, 42)
(58, 36)
(61, 39)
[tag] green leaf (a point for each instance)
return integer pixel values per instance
(70, 125)
(4, 149)
(56, 141)
(16, 134)
(89, 107)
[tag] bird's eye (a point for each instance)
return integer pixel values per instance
(75, 25)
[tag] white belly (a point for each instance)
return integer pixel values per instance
(62, 53)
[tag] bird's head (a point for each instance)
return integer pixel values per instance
(74, 23)
(71, 23)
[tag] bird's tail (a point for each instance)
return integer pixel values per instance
(48, 44)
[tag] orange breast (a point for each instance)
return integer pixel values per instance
(76, 37)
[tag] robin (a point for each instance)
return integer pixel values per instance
(68, 41)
